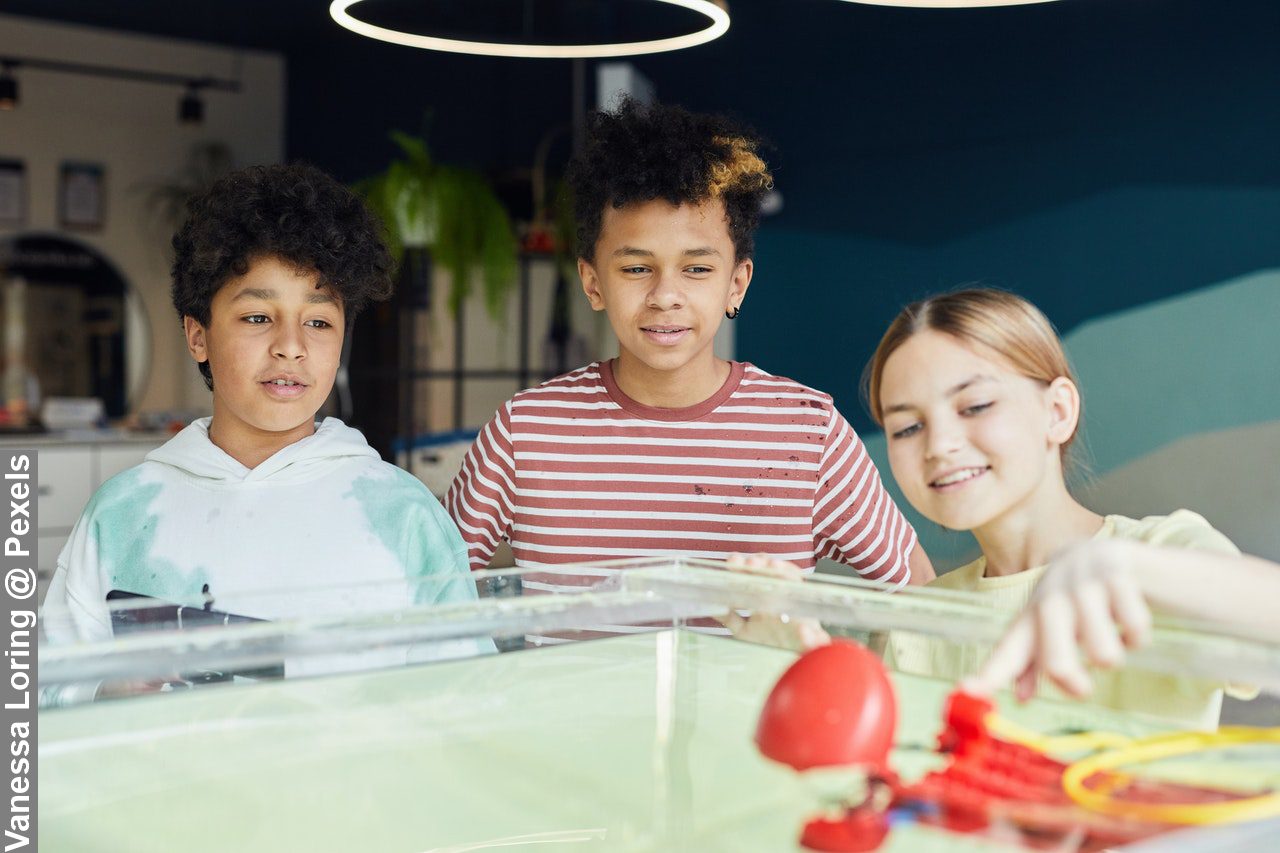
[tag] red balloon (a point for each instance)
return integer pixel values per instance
(834, 706)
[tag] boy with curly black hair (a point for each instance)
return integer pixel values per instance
(668, 449)
(271, 268)
(296, 214)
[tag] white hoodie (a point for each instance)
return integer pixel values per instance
(322, 527)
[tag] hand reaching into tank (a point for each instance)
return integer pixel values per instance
(1097, 597)
(1089, 593)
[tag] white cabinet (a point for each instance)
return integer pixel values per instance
(47, 550)
(66, 481)
(68, 473)
(112, 459)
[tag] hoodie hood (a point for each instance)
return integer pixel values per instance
(191, 452)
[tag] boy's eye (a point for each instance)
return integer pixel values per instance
(699, 270)
(257, 319)
(635, 270)
(973, 410)
(319, 324)
(907, 432)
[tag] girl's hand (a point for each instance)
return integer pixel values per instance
(767, 628)
(1089, 597)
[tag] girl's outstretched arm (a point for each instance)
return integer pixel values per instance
(1097, 596)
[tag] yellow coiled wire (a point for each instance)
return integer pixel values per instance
(1119, 751)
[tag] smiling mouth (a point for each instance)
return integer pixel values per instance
(664, 330)
(955, 478)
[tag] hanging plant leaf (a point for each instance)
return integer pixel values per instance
(451, 212)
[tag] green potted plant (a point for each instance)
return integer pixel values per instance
(446, 215)
(166, 200)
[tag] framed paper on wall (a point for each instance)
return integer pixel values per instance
(82, 196)
(13, 192)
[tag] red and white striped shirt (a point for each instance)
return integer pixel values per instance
(574, 471)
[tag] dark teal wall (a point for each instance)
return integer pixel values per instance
(820, 301)
(1091, 154)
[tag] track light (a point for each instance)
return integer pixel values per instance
(8, 88)
(191, 108)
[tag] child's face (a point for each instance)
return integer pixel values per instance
(665, 275)
(970, 439)
(273, 344)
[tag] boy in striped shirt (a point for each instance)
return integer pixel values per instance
(667, 449)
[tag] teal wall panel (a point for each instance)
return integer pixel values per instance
(1200, 362)
(820, 301)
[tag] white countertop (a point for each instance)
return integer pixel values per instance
(62, 438)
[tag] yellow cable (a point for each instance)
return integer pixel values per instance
(1053, 744)
(1122, 751)
(1168, 746)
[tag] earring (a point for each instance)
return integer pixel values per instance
(732, 312)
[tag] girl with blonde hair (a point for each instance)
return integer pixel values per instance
(980, 407)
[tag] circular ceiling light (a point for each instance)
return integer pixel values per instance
(714, 10)
(947, 4)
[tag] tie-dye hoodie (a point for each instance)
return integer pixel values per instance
(322, 527)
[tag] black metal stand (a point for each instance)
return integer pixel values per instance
(409, 374)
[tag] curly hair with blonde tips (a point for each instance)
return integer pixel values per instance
(742, 170)
(637, 153)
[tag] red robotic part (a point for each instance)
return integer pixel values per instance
(834, 706)
(858, 830)
(965, 734)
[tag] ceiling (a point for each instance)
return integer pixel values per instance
(940, 121)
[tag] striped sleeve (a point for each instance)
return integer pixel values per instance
(854, 519)
(480, 499)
